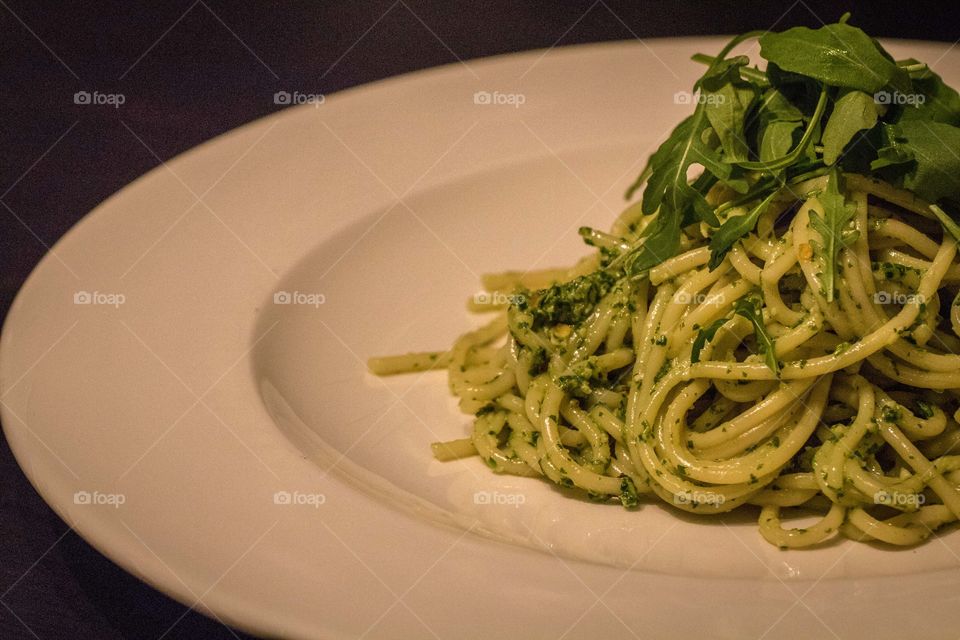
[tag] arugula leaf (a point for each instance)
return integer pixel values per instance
(775, 105)
(933, 100)
(837, 55)
(704, 336)
(930, 153)
(657, 163)
(726, 109)
(752, 74)
(669, 192)
(734, 228)
(726, 99)
(892, 151)
(777, 139)
(779, 119)
(834, 229)
(901, 81)
(668, 184)
(722, 71)
(660, 242)
(853, 112)
(749, 307)
(667, 189)
(808, 135)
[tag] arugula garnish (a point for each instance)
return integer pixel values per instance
(668, 193)
(837, 55)
(779, 120)
(853, 112)
(749, 307)
(940, 103)
(660, 242)
(774, 166)
(726, 101)
(704, 336)
(734, 228)
(924, 157)
(835, 231)
(829, 98)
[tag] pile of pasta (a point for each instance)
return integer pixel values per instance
(744, 385)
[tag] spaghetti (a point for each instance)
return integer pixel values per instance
(852, 427)
(779, 333)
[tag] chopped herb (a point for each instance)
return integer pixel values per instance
(923, 409)
(628, 493)
(572, 302)
(664, 370)
(890, 414)
(485, 409)
(539, 361)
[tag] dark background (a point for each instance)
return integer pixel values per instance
(192, 69)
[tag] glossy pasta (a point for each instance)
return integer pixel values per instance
(662, 392)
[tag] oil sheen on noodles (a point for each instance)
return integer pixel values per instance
(737, 387)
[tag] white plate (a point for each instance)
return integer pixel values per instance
(198, 399)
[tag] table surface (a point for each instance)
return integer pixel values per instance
(189, 70)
